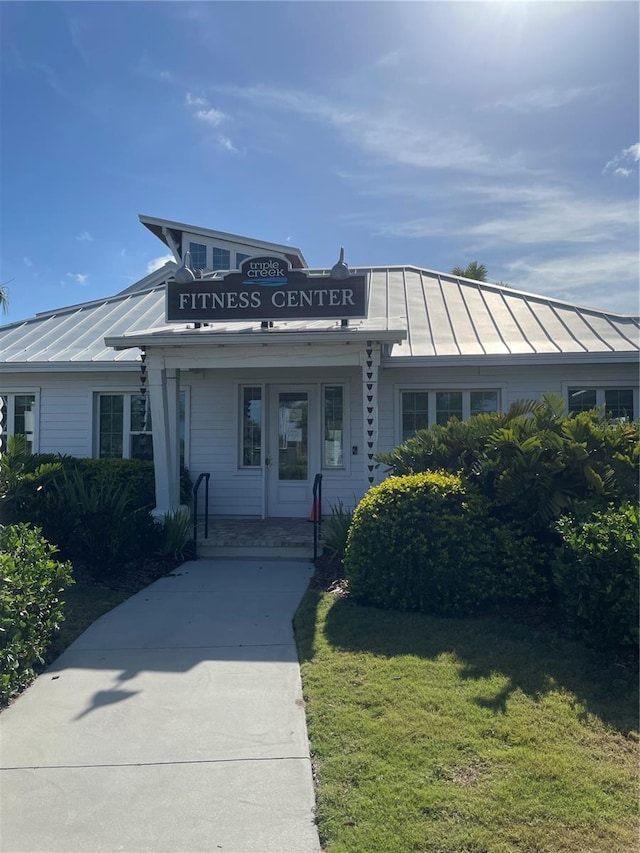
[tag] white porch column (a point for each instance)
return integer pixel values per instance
(162, 392)
(173, 417)
(370, 364)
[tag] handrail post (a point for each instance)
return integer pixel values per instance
(204, 476)
(317, 512)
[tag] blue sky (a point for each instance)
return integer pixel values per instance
(426, 133)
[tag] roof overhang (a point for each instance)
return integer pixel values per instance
(254, 338)
(515, 359)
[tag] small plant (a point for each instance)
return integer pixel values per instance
(30, 607)
(335, 529)
(176, 533)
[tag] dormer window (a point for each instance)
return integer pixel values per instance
(198, 256)
(221, 259)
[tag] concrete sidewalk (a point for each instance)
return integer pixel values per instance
(175, 723)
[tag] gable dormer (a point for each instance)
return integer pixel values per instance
(215, 250)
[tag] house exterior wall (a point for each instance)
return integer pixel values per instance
(66, 413)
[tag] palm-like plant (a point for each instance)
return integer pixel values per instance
(474, 270)
(4, 298)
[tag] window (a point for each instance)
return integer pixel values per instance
(240, 258)
(482, 402)
(448, 405)
(415, 412)
(420, 409)
(333, 426)
(18, 416)
(615, 402)
(251, 426)
(221, 259)
(125, 429)
(198, 256)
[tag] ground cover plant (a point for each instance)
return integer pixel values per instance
(459, 735)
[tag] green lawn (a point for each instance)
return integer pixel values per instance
(464, 735)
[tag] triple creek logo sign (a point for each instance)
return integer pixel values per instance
(266, 288)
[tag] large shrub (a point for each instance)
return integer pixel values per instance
(532, 461)
(597, 572)
(30, 607)
(427, 542)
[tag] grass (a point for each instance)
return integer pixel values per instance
(464, 735)
(84, 603)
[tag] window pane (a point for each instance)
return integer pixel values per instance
(483, 401)
(141, 446)
(415, 412)
(24, 417)
(448, 405)
(140, 413)
(240, 258)
(618, 403)
(198, 256)
(333, 415)
(111, 424)
(581, 399)
(251, 427)
(221, 259)
(293, 415)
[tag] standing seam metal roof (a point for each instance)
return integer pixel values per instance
(443, 316)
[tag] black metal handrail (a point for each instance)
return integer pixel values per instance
(317, 512)
(202, 477)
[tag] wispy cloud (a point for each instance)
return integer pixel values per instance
(202, 110)
(225, 142)
(78, 277)
(27, 261)
(156, 263)
(396, 137)
(541, 100)
(85, 237)
(623, 163)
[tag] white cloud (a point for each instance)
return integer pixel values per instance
(225, 142)
(211, 116)
(85, 237)
(625, 158)
(27, 262)
(156, 263)
(194, 101)
(78, 277)
(539, 100)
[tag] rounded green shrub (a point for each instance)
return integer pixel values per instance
(596, 573)
(428, 542)
(421, 542)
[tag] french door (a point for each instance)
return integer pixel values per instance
(292, 450)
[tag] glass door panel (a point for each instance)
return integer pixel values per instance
(293, 427)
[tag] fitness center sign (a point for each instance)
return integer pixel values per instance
(266, 288)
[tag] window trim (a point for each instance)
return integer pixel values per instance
(128, 393)
(346, 432)
(240, 386)
(432, 389)
(600, 387)
(9, 396)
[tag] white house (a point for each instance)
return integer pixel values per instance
(240, 361)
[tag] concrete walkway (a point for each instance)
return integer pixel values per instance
(175, 723)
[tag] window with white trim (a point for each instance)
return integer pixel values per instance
(19, 416)
(240, 257)
(250, 426)
(420, 408)
(614, 402)
(124, 428)
(198, 252)
(333, 426)
(221, 259)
